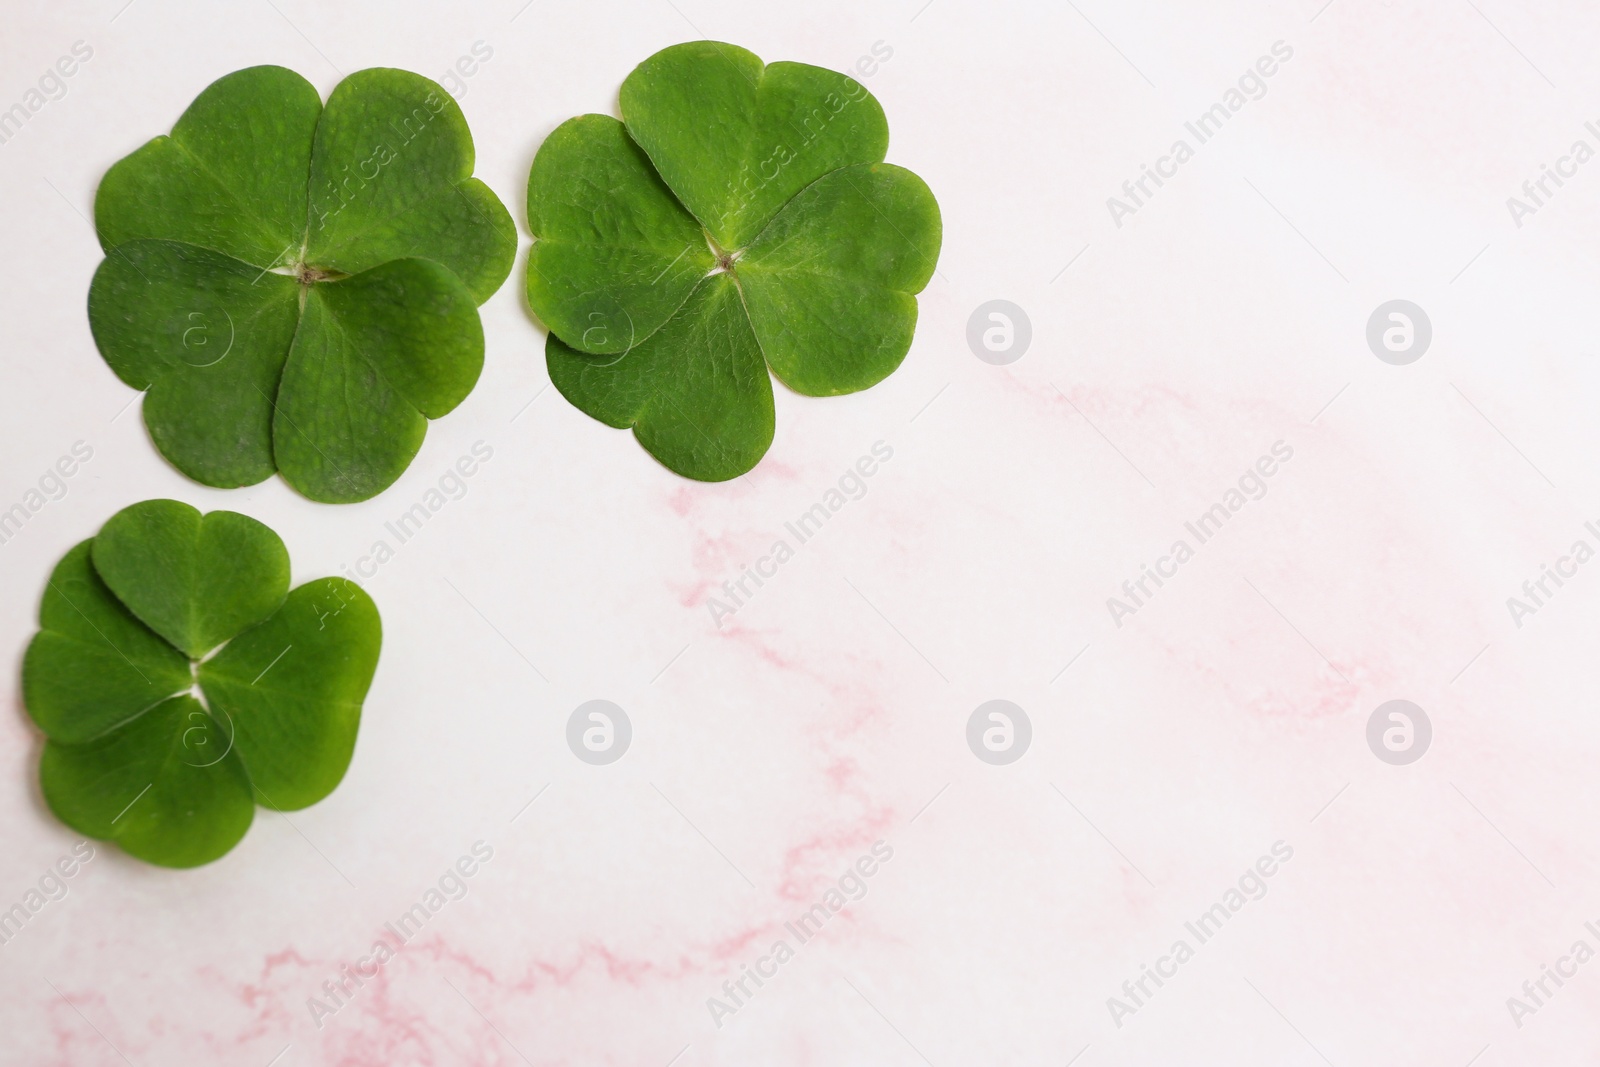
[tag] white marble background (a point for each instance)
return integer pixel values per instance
(1168, 353)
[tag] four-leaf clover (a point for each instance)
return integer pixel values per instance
(296, 285)
(739, 217)
(181, 683)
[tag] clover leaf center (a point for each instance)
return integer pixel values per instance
(725, 259)
(308, 275)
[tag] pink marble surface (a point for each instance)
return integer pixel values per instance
(770, 753)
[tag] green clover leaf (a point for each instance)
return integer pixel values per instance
(740, 217)
(295, 286)
(180, 682)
